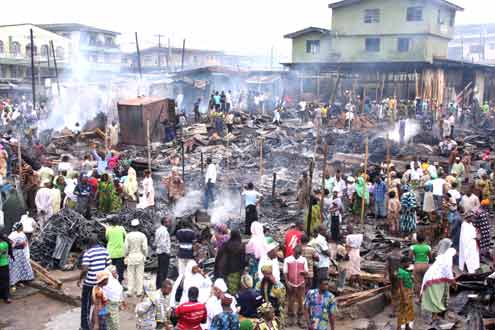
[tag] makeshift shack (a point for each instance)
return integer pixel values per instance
(134, 115)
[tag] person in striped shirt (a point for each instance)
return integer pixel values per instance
(94, 260)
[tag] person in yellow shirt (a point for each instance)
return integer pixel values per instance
(324, 115)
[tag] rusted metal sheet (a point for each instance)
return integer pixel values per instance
(134, 114)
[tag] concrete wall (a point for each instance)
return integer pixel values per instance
(299, 54)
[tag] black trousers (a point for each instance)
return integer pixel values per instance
(251, 216)
(4, 282)
(163, 263)
(86, 306)
(119, 264)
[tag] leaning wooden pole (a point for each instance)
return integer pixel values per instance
(365, 184)
(261, 159)
(148, 142)
(310, 207)
(322, 199)
(389, 178)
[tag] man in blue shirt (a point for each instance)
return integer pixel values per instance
(379, 193)
(251, 200)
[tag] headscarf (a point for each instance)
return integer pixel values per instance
(247, 281)
(220, 285)
(131, 183)
(188, 280)
(441, 270)
(267, 268)
(257, 244)
(221, 234)
(444, 245)
(246, 324)
(485, 202)
(265, 308)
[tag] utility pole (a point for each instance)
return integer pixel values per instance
(169, 56)
(55, 65)
(183, 55)
(33, 77)
(159, 49)
(138, 56)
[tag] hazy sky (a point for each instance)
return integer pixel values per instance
(241, 26)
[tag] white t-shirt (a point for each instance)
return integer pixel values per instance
(211, 173)
(250, 197)
(321, 245)
(455, 194)
(28, 224)
(64, 166)
(432, 169)
(438, 186)
(339, 186)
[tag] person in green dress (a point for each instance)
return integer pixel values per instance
(108, 199)
(5, 254)
(421, 254)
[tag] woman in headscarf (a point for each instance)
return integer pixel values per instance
(407, 221)
(108, 200)
(480, 217)
(20, 268)
(221, 235)
(131, 185)
(268, 319)
(60, 184)
(469, 254)
(273, 291)
(230, 261)
(70, 200)
(362, 191)
(193, 277)
(435, 287)
(115, 294)
(256, 248)
(5, 255)
(248, 298)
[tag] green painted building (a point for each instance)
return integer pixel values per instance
(379, 31)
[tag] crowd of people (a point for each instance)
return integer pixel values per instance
(263, 280)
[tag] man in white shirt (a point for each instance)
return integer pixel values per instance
(136, 251)
(321, 246)
(64, 165)
(432, 169)
(148, 199)
(339, 184)
(228, 101)
(162, 242)
(44, 203)
(251, 200)
(210, 181)
(28, 225)
(469, 201)
(270, 259)
(439, 187)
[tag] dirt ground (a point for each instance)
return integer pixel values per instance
(35, 311)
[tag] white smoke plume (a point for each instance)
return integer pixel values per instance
(227, 207)
(188, 204)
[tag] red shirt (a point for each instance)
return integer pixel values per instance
(190, 315)
(292, 239)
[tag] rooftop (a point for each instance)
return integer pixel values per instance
(310, 29)
(177, 49)
(74, 27)
(344, 3)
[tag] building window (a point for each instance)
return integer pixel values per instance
(404, 44)
(372, 44)
(60, 53)
(414, 14)
(92, 39)
(44, 50)
(28, 50)
(475, 49)
(16, 48)
(109, 41)
(452, 18)
(372, 16)
(313, 46)
(1, 47)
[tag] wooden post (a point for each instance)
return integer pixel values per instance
(335, 88)
(19, 156)
(148, 141)
(322, 199)
(310, 207)
(365, 185)
(202, 164)
(54, 65)
(389, 179)
(261, 159)
(183, 55)
(33, 76)
(183, 160)
(274, 183)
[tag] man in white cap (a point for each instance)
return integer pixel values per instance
(136, 250)
(44, 203)
(214, 303)
(459, 170)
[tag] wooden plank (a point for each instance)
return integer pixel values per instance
(45, 275)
